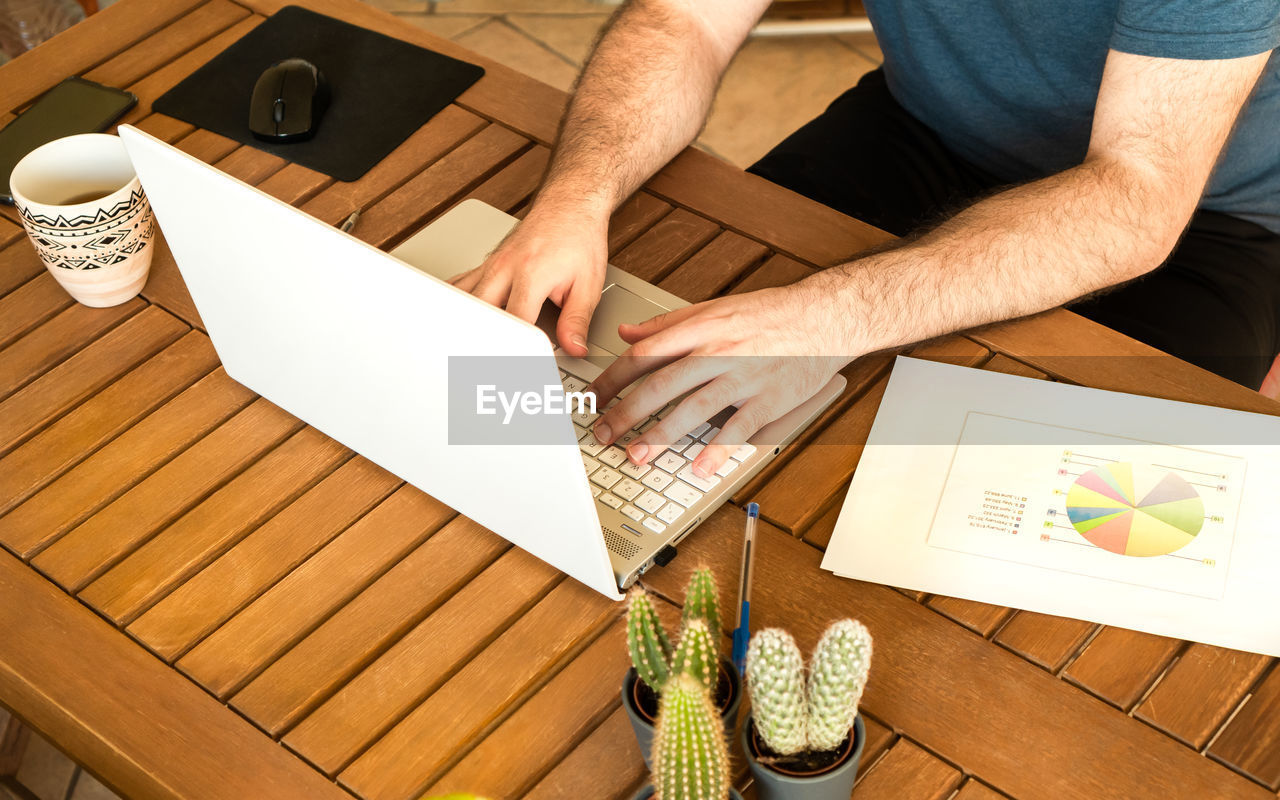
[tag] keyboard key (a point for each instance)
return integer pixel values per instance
(683, 493)
(651, 502)
(590, 445)
(613, 457)
(694, 450)
(579, 432)
(727, 467)
(589, 464)
(709, 434)
(611, 501)
(596, 491)
(628, 437)
(563, 375)
(605, 477)
(633, 512)
(686, 475)
(680, 444)
(697, 432)
(572, 384)
(670, 512)
(636, 471)
(669, 462)
(627, 489)
(585, 417)
(645, 426)
(653, 525)
(744, 452)
(657, 480)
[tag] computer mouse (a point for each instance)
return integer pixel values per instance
(288, 101)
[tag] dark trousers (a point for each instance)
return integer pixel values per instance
(1215, 302)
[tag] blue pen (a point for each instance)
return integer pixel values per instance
(742, 633)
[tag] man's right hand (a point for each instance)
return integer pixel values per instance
(550, 256)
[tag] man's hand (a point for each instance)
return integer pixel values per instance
(764, 352)
(548, 257)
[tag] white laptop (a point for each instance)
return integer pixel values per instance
(380, 353)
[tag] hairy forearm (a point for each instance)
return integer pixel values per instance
(1024, 250)
(642, 97)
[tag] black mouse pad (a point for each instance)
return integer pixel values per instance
(381, 89)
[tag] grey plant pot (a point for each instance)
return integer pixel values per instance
(834, 784)
(647, 791)
(643, 728)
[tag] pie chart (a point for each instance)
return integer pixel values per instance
(1135, 509)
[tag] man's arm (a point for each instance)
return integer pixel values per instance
(642, 97)
(1159, 126)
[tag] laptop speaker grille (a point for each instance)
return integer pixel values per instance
(619, 544)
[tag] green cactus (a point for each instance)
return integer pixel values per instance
(775, 678)
(838, 674)
(647, 641)
(791, 718)
(697, 655)
(701, 601)
(690, 759)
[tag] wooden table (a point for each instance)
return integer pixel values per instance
(200, 596)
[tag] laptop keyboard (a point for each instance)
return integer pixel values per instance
(657, 495)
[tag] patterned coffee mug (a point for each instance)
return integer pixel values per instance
(83, 207)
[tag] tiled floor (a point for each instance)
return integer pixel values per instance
(774, 86)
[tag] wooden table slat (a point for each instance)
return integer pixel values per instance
(908, 772)
(19, 263)
(362, 629)
(115, 705)
(714, 268)
(256, 563)
(253, 638)
(113, 353)
(120, 464)
(71, 439)
(981, 618)
(9, 232)
(1045, 640)
(777, 270)
(921, 659)
(167, 44)
(547, 727)
(179, 550)
(515, 183)
(670, 241)
(606, 764)
(30, 305)
(80, 47)
(65, 334)
(99, 542)
(446, 180)
(634, 217)
(411, 755)
(1251, 741)
(1119, 665)
(1200, 691)
(1072, 348)
(412, 669)
(976, 790)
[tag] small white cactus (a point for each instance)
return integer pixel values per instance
(790, 717)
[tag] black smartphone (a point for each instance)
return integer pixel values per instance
(73, 106)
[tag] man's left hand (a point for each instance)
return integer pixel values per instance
(764, 352)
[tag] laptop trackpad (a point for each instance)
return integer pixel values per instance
(618, 305)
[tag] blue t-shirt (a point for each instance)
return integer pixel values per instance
(1010, 85)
